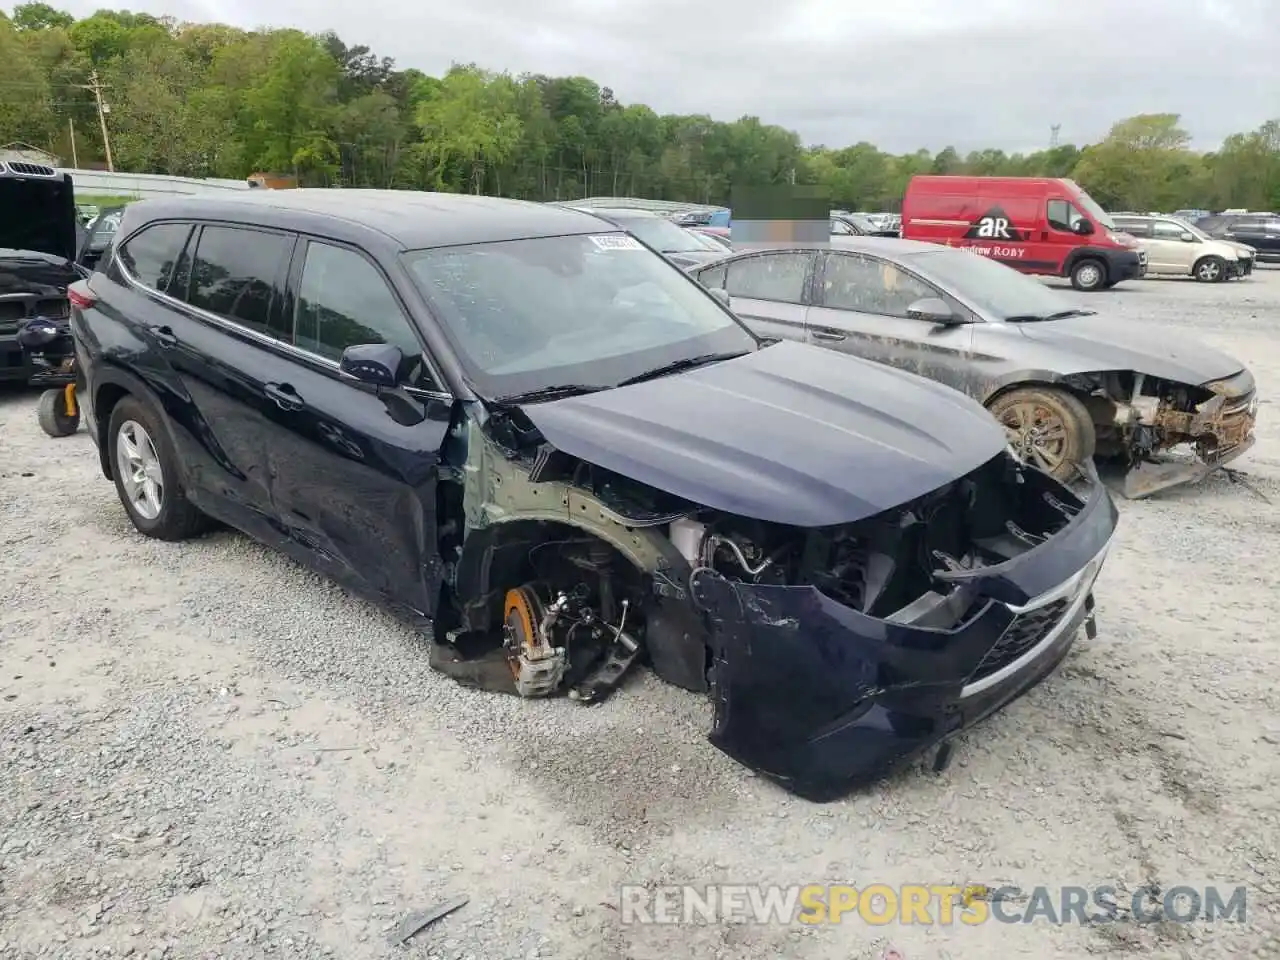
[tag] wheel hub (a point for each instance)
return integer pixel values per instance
(1037, 433)
(140, 470)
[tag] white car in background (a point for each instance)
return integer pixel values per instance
(1176, 248)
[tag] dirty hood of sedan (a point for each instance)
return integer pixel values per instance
(789, 434)
(1089, 344)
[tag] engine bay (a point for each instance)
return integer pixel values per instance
(888, 563)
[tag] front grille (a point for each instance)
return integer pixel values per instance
(1023, 634)
(24, 169)
(15, 310)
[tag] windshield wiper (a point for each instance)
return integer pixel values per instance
(554, 392)
(1041, 317)
(688, 363)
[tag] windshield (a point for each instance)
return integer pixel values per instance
(707, 242)
(527, 315)
(1100, 216)
(663, 235)
(998, 291)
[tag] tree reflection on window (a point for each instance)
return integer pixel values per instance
(343, 301)
(150, 254)
(233, 275)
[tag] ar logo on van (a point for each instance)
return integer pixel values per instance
(994, 225)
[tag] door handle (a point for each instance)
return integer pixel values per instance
(165, 336)
(284, 396)
(827, 335)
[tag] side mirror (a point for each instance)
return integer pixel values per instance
(1186, 237)
(376, 364)
(721, 294)
(1082, 228)
(932, 310)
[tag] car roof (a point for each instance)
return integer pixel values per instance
(413, 219)
(888, 247)
(619, 213)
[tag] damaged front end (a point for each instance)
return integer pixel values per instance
(1147, 421)
(831, 653)
(842, 652)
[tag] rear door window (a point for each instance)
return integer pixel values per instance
(151, 254)
(236, 273)
(771, 276)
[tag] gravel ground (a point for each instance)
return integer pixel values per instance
(206, 750)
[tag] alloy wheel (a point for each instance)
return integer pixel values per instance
(140, 470)
(1037, 433)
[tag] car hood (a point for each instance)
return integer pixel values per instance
(790, 434)
(1091, 344)
(33, 272)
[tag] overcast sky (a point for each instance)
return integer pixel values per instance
(899, 73)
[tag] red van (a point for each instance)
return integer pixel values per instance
(1036, 225)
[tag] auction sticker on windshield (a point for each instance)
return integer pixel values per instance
(616, 241)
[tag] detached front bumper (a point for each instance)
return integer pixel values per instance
(822, 699)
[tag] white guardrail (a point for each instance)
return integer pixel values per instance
(145, 186)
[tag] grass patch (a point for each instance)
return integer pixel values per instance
(103, 200)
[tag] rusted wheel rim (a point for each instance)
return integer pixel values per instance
(1037, 433)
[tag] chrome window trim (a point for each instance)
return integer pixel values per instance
(262, 338)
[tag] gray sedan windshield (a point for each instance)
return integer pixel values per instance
(998, 291)
(663, 235)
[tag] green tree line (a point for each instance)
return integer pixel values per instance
(209, 100)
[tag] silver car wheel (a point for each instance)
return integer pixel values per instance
(140, 472)
(1208, 271)
(1090, 276)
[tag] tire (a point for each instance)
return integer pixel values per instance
(160, 510)
(1210, 270)
(52, 414)
(1089, 274)
(1022, 409)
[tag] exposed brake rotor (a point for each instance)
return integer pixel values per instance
(522, 612)
(537, 666)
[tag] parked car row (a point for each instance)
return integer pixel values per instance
(1259, 232)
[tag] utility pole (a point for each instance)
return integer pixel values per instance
(71, 128)
(96, 87)
(1053, 135)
